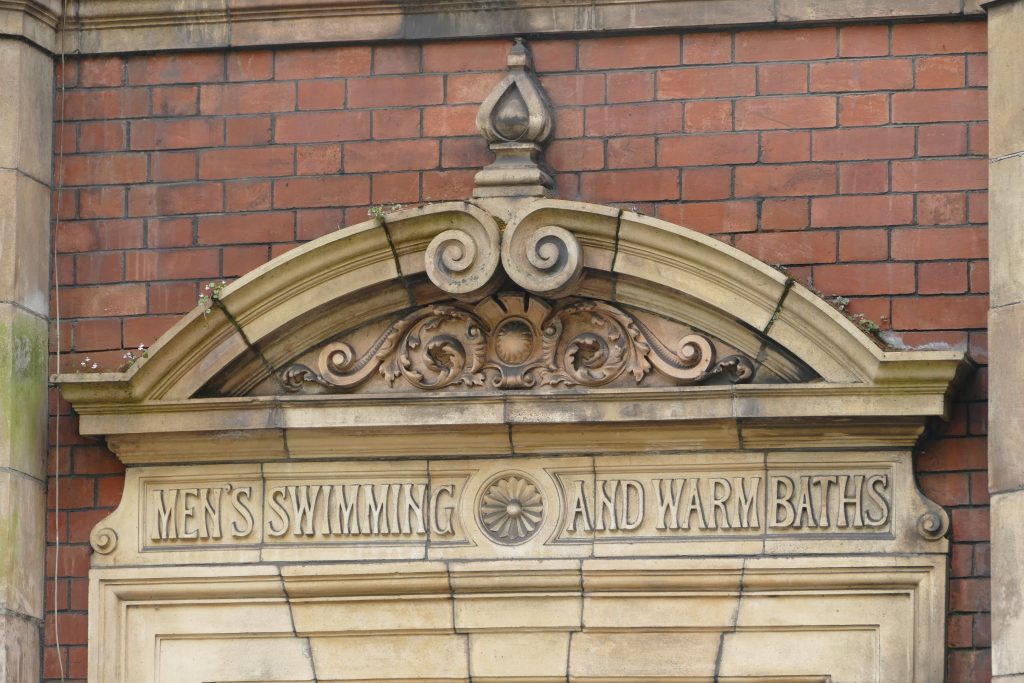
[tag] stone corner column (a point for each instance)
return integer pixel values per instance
(1006, 336)
(26, 130)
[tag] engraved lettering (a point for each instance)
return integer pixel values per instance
(746, 502)
(721, 489)
(441, 516)
(187, 513)
(632, 500)
(242, 508)
(667, 493)
(579, 510)
(694, 504)
(274, 501)
(782, 489)
(879, 498)
(823, 484)
(166, 529)
(414, 504)
(606, 504)
(846, 499)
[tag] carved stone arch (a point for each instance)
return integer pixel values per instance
(575, 411)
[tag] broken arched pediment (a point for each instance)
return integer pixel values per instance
(619, 318)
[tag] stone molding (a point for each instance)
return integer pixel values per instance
(101, 26)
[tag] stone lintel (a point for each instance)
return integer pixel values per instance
(101, 26)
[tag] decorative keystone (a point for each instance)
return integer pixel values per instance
(516, 120)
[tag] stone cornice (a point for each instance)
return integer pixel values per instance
(98, 26)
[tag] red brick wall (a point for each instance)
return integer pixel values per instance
(855, 156)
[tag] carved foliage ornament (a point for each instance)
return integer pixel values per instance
(515, 341)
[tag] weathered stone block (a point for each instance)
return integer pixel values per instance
(22, 391)
(26, 98)
(1006, 72)
(1006, 428)
(1007, 588)
(24, 241)
(19, 647)
(1006, 234)
(21, 537)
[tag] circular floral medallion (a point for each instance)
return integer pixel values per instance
(511, 509)
(514, 341)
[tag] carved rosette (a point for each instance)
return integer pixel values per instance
(516, 341)
(511, 508)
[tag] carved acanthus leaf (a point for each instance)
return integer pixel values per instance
(515, 341)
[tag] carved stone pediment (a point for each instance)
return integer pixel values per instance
(517, 341)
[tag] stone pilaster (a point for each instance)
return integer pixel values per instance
(1006, 337)
(26, 100)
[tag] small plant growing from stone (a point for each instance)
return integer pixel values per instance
(381, 210)
(88, 365)
(130, 358)
(211, 293)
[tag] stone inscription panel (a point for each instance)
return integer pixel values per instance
(686, 504)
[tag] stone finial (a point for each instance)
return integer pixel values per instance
(516, 120)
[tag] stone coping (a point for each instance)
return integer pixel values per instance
(103, 26)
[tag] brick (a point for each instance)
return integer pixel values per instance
(465, 153)
(576, 89)
(248, 195)
(327, 126)
(470, 55)
(172, 166)
(66, 73)
(942, 139)
(397, 59)
(246, 98)
(785, 146)
(554, 55)
(240, 260)
(470, 88)
(177, 133)
(321, 62)
(97, 334)
(181, 100)
(939, 38)
(177, 67)
(445, 185)
(782, 79)
(117, 103)
(977, 207)
(708, 150)
(631, 152)
(864, 178)
(712, 217)
(785, 214)
(569, 122)
(864, 110)
(101, 72)
(347, 190)
(790, 248)
(102, 136)
(940, 313)
(634, 119)
(317, 159)
(863, 41)
(708, 116)
(977, 71)
(697, 82)
(784, 181)
(172, 264)
(942, 277)
(390, 188)
(933, 107)
(313, 223)
(939, 174)
(786, 45)
(879, 210)
(101, 202)
(396, 123)
(250, 65)
(78, 236)
(707, 48)
(947, 208)
(159, 200)
(630, 86)
(940, 72)
(863, 245)
(865, 279)
(978, 139)
(929, 244)
(395, 91)
(98, 267)
(707, 183)
(249, 130)
(629, 186)
(246, 162)
(108, 492)
(786, 112)
(863, 143)
(627, 52)
(172, 297)
(103, 301)
(979, 483)
(979, 277)
(240, 228)
(958, 631)
(108, 169)
(403, 155)
(575, 155)
(872, 74)
(449, 121)
(168, 232)
(321, 94)
(970, 524)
